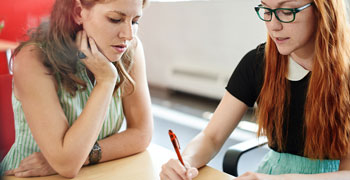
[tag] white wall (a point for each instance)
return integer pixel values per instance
(208, 37)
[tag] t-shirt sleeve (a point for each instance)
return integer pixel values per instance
(246, 80)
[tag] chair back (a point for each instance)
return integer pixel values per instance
(244, 156)
(7, 129)
(3, 63)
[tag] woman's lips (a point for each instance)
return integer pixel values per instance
(119, 48)
(280, 40)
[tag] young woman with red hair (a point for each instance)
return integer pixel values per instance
(75, 81)
(300, 80)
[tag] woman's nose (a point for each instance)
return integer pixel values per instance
(127, 32)
(274, 24)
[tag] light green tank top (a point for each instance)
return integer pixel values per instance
(25, 144)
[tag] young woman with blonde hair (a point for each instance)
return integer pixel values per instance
(300, 80)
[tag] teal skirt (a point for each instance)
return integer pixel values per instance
(285, 163)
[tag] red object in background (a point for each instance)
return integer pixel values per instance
(21, 15)
(7, 128)
(3, 64)
(5, 45)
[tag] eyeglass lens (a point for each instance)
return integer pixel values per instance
(284, 15)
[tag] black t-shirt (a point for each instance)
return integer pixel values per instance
(245, 84)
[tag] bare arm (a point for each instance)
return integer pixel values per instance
(207, 143)
(137, 110)
(64, 148)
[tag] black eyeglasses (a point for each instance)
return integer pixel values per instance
(285, 15)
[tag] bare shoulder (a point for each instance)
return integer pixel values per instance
(29, 70)
(29, 60)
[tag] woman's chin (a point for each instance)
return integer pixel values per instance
(284, 51)
(114, 59)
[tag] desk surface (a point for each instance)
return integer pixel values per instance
(145, 165)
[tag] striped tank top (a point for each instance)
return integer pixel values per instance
(25, 144)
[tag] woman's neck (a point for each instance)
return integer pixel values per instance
(304, 58)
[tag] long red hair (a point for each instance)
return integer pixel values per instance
(327, 106)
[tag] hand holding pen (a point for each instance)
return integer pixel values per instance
(176, 145)
(173, 168)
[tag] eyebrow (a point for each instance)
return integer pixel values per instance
(123, 14)
(279, 4)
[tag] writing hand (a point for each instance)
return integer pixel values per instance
(174, 170)
(33, 165)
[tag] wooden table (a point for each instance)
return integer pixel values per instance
(142, 166)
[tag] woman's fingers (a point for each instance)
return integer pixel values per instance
(178, 168)
(25, 164)
(192, 173)
(95, 50)
(174, 170)
(95, 60)
(9, 172)
(84, 47)
(89, 47)
(170, 174)
(78, 39)
(32, 173)
(93, 46)
(33, 165)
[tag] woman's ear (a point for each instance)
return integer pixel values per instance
(77, 14)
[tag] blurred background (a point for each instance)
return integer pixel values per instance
(191, 49)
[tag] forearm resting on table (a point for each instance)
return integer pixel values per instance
(77, 141)
(126, 143)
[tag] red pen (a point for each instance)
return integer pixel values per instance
(176, 145)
